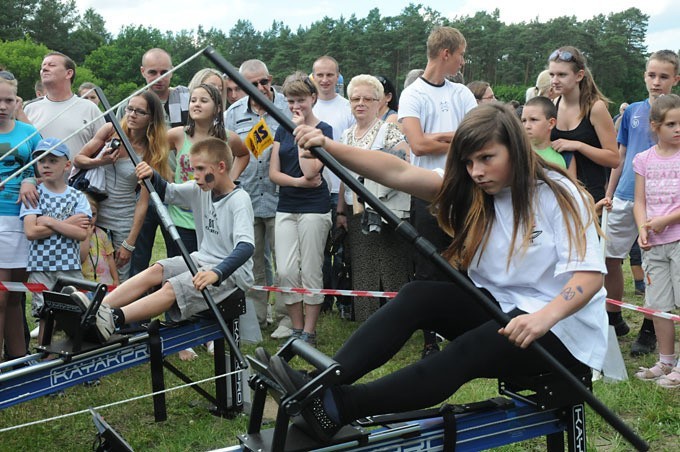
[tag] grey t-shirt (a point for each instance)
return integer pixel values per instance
(220, 225)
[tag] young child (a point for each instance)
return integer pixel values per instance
(634, 137)
(224, 224)
(539, 116)
(657, 214)
(96, 252)
(57, 225)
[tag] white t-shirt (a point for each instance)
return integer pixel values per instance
(219, 225)
(43, 115)
(534, 278)
(337, 113)
(438, 108)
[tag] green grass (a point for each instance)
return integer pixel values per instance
(651, 411)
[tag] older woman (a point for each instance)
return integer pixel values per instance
(378, 261)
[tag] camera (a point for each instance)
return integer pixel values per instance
(115, 144)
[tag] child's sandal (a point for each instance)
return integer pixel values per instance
(652, 373)
(671, 380)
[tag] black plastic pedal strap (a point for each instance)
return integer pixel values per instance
(450, 429)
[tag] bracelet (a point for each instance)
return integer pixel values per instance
(340, 214)
(127, 246)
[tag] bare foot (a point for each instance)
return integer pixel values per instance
(188, 354)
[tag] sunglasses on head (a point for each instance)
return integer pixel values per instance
(563, 55)
(7, 75)
(262, 81)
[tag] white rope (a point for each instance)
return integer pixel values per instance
(48, 151)
(54, 118)
(120, 402)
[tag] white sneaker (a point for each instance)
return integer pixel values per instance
(270, 315)
(282, 332)
(34, 332)
(105, 324)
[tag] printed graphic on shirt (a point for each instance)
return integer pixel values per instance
(210, 221)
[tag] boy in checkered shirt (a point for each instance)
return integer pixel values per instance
(57, 225)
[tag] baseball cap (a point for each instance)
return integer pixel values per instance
(60, 149)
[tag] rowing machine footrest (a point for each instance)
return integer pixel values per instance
(61, 312)
(547, 390)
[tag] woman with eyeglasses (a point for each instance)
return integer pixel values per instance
(13, 242)
(378, 259)
(482, 91)
(584, 128)
(303, 216)
(122, 213)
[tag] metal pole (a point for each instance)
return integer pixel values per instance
(108, 109)
(172, 230)
(428, 250)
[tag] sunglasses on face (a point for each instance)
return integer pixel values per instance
(563, 55)
(7, 75)
(262, 81)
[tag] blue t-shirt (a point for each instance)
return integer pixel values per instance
(634, 133)
(295, 199)
(12, 163)
(56, 252)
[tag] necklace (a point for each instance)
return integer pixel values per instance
(94, 263)
(358, 136)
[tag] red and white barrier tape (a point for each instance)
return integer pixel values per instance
(345, 293)
(34, 287)
(6, 286)
(653, 312)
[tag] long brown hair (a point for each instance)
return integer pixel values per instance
(156, 137)
(467, 213)
(216, 128)
(589, 93)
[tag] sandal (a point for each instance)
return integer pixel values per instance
(652, 373)
(310, 338)
(671, 380)
(315, 421)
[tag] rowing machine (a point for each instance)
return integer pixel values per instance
(80, 357)
(547, 410)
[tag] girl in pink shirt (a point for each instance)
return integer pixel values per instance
(657, 214)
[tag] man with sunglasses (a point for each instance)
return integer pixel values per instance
(257, 129)
(57, 73)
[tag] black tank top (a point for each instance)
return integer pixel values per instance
(591, 174)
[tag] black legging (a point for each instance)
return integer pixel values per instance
(476, 350)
